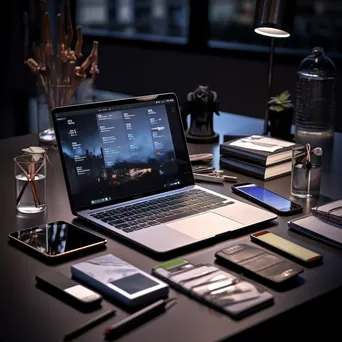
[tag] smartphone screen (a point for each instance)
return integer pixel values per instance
(268, 197)
(56, 238)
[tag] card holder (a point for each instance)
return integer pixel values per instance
(217, 288)
(241, 292)
(208, 279)
(207, 289)
(256, 261)
(193, 273)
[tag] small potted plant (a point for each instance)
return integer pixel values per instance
(280, 112)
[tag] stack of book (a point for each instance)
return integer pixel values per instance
(257, 156)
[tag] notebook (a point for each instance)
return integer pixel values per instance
(319, 229)
(259, 150)
(257, 171)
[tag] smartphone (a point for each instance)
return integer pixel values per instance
(267, 199)
(284, 246)
(57, 239)
(257, 262)
(68, 289)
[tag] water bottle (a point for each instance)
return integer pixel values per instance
(315, 99)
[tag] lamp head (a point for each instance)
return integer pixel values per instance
(274, 18)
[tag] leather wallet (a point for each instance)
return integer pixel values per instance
(257, 261)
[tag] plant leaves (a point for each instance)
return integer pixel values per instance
(287, 105)
(284, 96)
(277, 108)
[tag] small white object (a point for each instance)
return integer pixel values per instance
(82, 293)
(36, 152)
(261, 143)
(317, 151)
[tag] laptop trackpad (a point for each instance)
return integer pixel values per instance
(205, 225)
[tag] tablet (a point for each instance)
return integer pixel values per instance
(57, 239)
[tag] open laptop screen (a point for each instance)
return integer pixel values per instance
(120, 150)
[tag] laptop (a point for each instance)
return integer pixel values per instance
(127, 170)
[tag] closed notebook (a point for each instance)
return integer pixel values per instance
(258, 150)
(318, 229)
(331, 212)
(257, 171)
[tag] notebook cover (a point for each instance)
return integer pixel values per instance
(108, 269)
(318, 229)
(332, 212)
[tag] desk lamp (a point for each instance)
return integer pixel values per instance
(273, 18)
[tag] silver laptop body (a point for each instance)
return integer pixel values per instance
(128, 160)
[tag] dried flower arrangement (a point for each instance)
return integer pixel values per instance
(59, 74)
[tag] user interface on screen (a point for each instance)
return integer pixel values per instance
(56, 238)
(266, 196)
(120, 151)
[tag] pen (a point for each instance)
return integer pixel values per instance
(208, 178)
(201, 169)
(201, 157)
(131, 321)
(231, 179)
(89, 324)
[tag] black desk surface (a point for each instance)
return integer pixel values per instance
(29, 314)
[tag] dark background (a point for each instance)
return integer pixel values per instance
(214, 45)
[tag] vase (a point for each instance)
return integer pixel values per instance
(280, 124)
(30, 184)
(59, 95)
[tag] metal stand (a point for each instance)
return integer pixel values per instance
(270, 74)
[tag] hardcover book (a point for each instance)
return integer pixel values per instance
(254, 170)
(260, 150)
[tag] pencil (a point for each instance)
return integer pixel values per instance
(135, 319)
(89, 324)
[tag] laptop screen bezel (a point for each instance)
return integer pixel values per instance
(187, 178)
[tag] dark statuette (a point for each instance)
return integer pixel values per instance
(201, 104)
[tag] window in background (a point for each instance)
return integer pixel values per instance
(162, 20)
(317, 23)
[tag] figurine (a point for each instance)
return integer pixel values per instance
(201, 105)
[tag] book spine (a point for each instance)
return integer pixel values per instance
(245, 168)
(243, 155)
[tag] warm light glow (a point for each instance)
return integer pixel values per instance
(272, 32)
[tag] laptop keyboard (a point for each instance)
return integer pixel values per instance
(165, 209)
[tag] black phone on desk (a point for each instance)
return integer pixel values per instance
(57, 239)
(68, 290)
(255, 261)
(267, 199)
